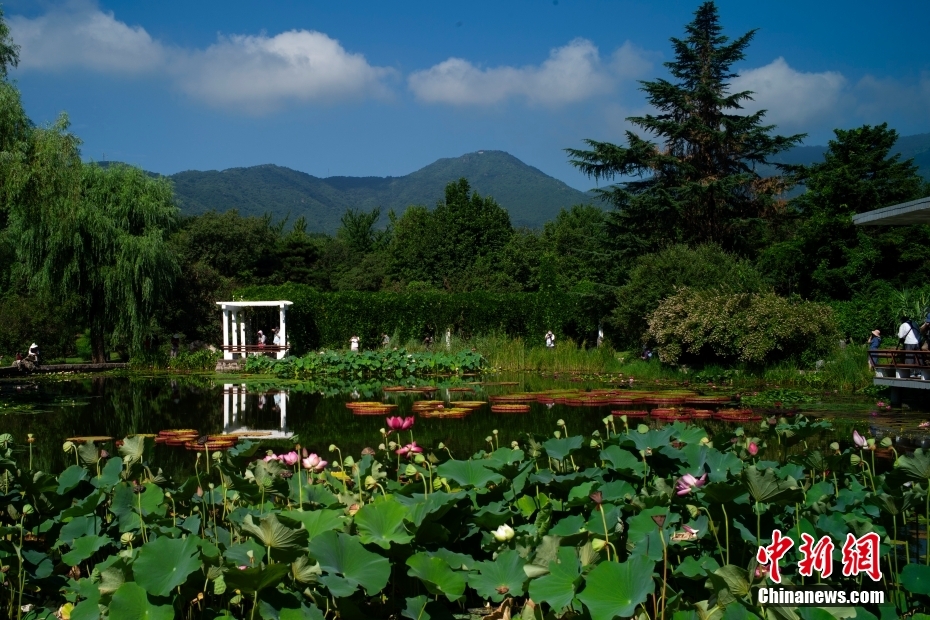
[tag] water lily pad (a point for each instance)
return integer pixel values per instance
(613, 589)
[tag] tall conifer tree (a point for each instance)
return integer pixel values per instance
(697, 183)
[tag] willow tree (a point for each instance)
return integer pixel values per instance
(94, 238)
(692, 178)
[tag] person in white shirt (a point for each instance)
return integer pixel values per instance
(353, 343)
(276, 341)
(550, 340)
(907, 335)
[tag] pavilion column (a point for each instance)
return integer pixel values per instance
(242, 402)
(227, 388)
(283, 410)
(282, 330)
(242, 337)
(227, 354)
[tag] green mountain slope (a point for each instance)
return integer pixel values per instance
(531, 197)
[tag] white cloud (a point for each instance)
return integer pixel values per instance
(572, 73)
(259, 72)
(792, 98)
(249, 73)
(80, 35)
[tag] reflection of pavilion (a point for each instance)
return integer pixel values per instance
(234, 410)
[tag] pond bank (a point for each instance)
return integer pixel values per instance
(13, 371)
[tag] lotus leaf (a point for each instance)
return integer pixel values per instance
(766, 487)
(436, 575)
(557, 589)
(916, 578)
(615, 589)
(503, 576)
(83, 548)
(559, 448)
(382, 523)
(916, 467)
(130, 602)
(165, 563)
(273, 534)
(468, 473)
(340, 554)
(316, 522)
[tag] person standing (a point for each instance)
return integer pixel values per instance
(353, 343)
(874, 342)
(175, 345)
(385, 341)
(261, 339)
(907, 336)
(550, 340)
(276, 340)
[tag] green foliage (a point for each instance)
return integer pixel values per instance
(698, 184)
(824, 255)
(599, 535)
(330, 319)
(396, 364)
(657, 276)
(755, 328)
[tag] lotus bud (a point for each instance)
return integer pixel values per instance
(753, 448)
(854, 459)
(886, 442)
(410, 470)
(383, 431)
(210, 486)
(127, 538)
(503, 533)
(167, 494)
(515, 445)
(642, 429)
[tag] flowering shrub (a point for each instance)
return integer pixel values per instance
(741, 327)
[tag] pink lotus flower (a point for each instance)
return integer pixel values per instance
(409, 450)
(859, 440)
(271, 457)
(290, 459)
(690, 529)
(397, 423)
(688, 482)
(313, 463)
(753, 448)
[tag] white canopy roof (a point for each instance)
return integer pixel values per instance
(247, 304)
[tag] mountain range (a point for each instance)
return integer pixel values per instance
(529, 195)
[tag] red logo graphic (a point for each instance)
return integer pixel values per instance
(773, 553)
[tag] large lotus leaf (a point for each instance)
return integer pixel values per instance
(256, 579)
(165, 563)
(83, 548)
(272, 533)
(503, 576)
(916, 578)
(133, 449)
(238, 554)
(915, 467)
(693, 568)
(436, 575)
(286, 606)
(766, 487)
(130, 602)
(730, 583)
(312, 493)
(719, 463)
(109, 475)
(492, 516)
(468, 473)
(458, 561)
(79, 527)
(88, 453)
(613, 589)
(305, 572)
(432, 506)
(560, 448)
(689, 434)
(652, 439)
(622, 460)
(344, 555)
(421, 608)
(722, 492)
(70, 478)
(382, 523)
(568, 526)
(85, 506)
(558, 587)
(316, 522)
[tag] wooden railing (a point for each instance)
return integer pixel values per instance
(900, 364)
(246, 349)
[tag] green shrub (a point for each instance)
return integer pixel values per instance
(743, 327)
(397, 364)
(656, 276)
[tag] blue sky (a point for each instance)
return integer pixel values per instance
(384, 88)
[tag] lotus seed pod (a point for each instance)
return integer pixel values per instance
(349, 461)
(515, 445)
(642, 429)
(419, 459)
(886, 442)
(596, 433)
(382, 447)
(332, 447)
(598, 543)
(834, 446)
(557, 434)
(392, 445)
(494, 432)
(560, 423)
(28, 509)
(410, 470)
(854, 459)
(437, 484)
(67, 446)
(127, 538)
(593, 443)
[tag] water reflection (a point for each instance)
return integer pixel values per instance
(270, 409)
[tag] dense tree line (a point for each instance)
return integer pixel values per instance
(106, 250)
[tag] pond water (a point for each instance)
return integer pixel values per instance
(55, 408)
